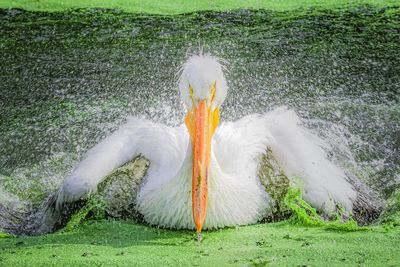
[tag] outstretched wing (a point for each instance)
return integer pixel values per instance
(163, 146)
(298, 152)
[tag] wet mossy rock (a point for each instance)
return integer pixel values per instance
(115, 197)
(277, 184)
(119, 190)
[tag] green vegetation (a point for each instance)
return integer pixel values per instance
(391, 216)
(119, 243)
(94, 205)
(304, 214)
(168, 7)
(6, 235)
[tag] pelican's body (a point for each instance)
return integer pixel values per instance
(224, 189)
(236, 196)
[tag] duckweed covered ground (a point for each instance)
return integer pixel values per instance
(112, 243)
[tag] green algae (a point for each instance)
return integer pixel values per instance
(94, 208)
(6, 235)
(119, 243)
(304, 214)
(168, 7)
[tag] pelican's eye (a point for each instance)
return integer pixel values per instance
(191, 92)
(212, 93)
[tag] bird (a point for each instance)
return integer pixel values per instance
(204, 174)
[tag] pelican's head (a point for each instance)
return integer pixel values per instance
(203, 89)
(202, 78)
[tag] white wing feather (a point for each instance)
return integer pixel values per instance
(160, 144)
(300, 154)
(237, 150)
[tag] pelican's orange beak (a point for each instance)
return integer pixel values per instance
(201, 121)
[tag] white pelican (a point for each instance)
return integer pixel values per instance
(203, 175)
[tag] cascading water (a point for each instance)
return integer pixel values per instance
(69, 79)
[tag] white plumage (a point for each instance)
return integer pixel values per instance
(201, 71)
(236, 196)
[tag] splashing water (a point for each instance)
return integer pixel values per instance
(69, 79)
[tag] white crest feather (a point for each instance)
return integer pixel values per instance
(201, 72)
